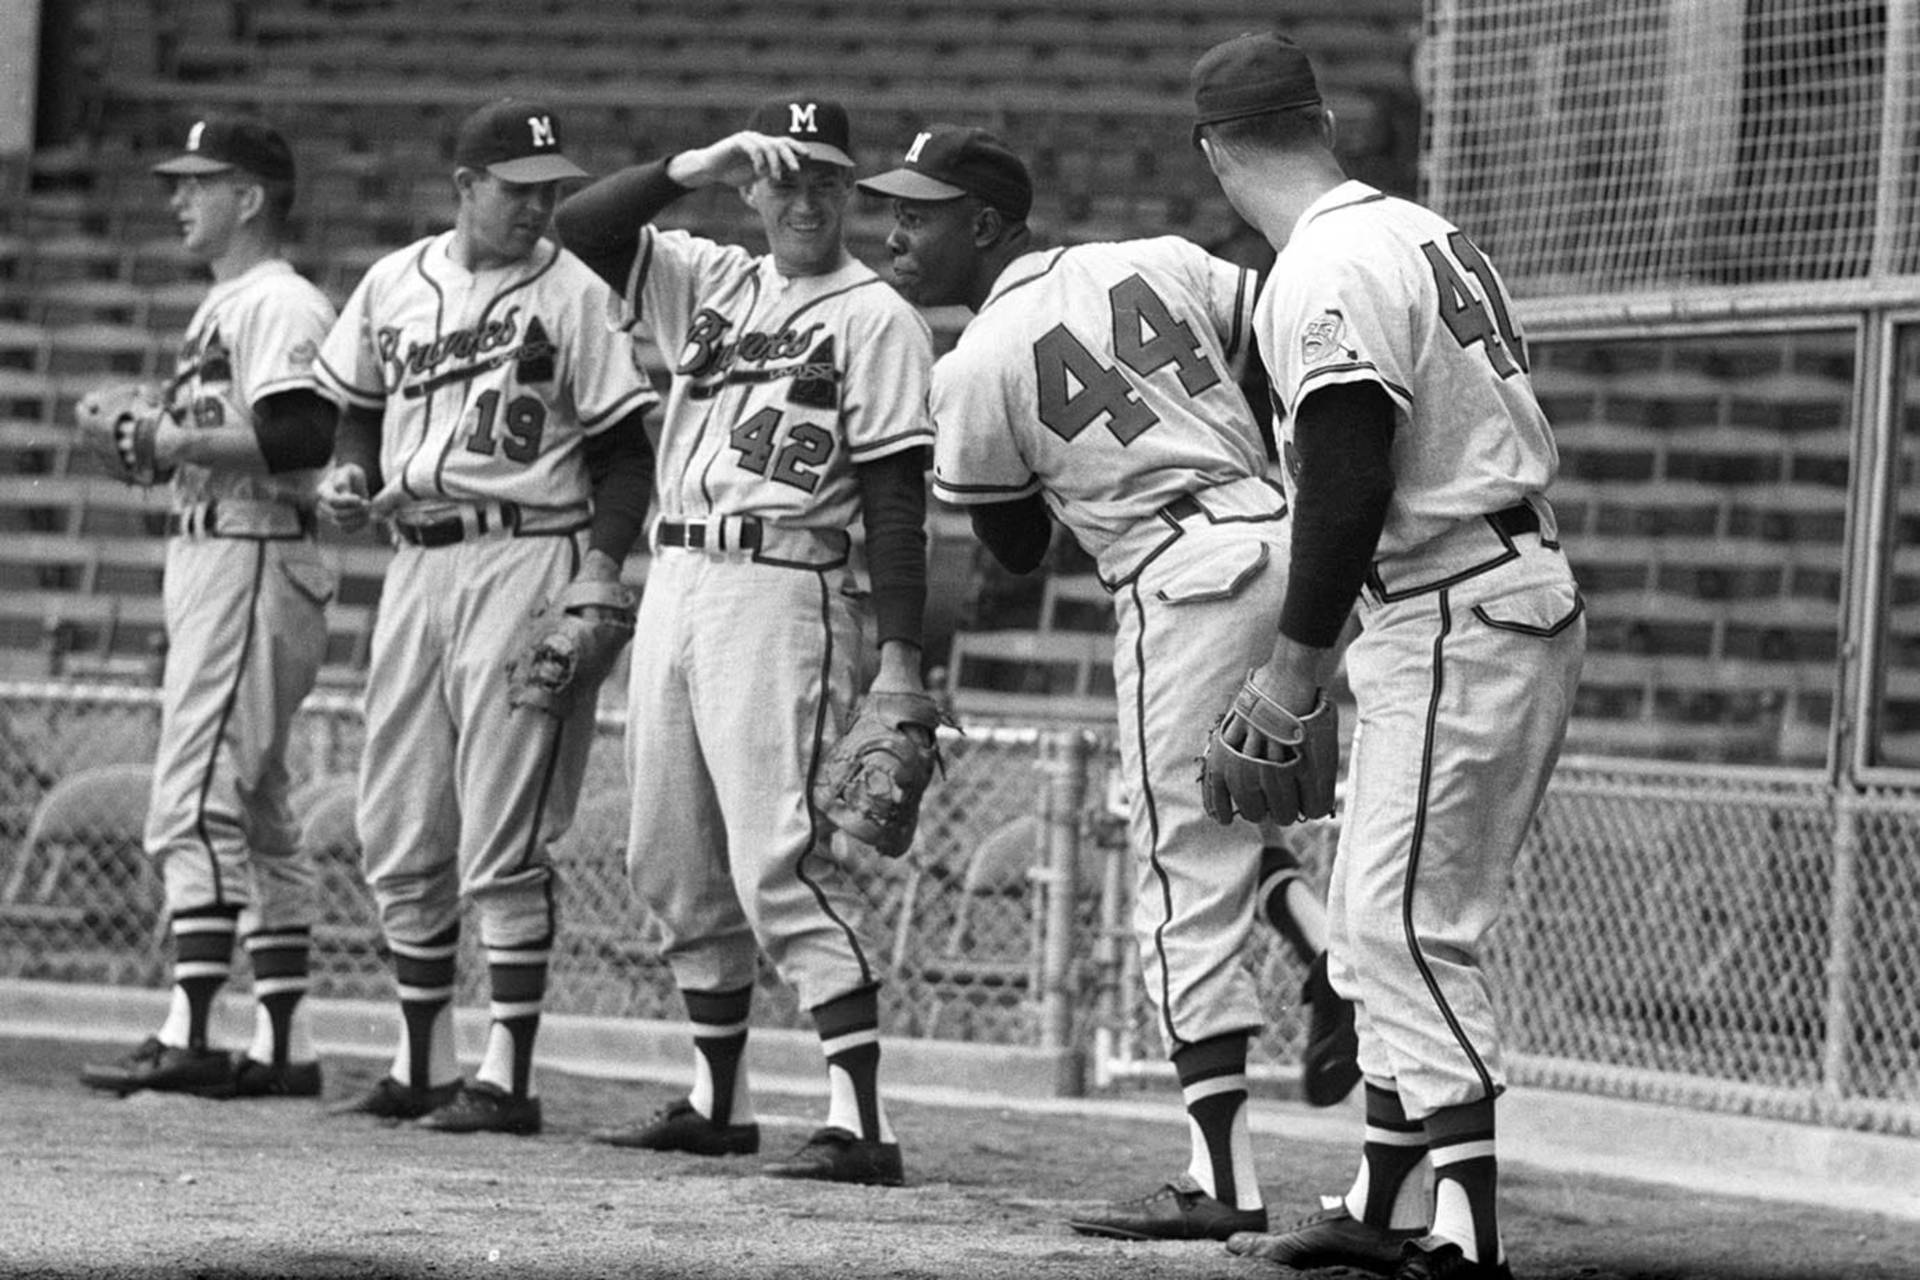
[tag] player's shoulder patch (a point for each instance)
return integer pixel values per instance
(1323, 339)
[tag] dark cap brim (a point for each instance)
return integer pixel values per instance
(183, 166)
(552, 168)
(825, 152)
(907, 184)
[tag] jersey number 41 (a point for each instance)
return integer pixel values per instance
(1465, 315)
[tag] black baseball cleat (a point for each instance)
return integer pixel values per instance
(833, 1154)
(484, 1108)
(205, 1073)
(1329, 1065)
(1330, 1238)
(678, 1127)
(1180, 1210)
(1432, 1258)
(391, 1100)
(255, 1079)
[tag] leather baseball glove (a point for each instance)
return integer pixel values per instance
(872, 781)
(1267, 764)
(570, 645)
(118, 424)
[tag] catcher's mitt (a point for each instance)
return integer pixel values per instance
(570, 645)
(1268, 764)
(117, 425)
(871, 783)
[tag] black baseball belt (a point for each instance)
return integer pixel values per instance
(741, 533)
(259, 521)
(487, 519)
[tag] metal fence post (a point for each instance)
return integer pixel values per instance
(1836, 1052)
(1068, 755)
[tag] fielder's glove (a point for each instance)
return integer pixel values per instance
(871, 783)
(570, 645)
(117, 425)
(1268, 764)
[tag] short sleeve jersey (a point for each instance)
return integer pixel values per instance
(779, 385)
(1375, 289)
(1100, 376)
(252, 337)
(488, 382)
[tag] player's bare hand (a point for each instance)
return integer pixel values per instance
(736, 160)
(1295, 674)
(342, 496)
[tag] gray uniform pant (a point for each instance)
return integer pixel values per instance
(246, 633)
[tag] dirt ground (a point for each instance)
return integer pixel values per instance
(157, 1186)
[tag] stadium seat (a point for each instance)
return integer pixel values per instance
(104, 352)
(1042, 676)
(79, 883)
(994, 968)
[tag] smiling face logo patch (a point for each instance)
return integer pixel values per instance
(1320, 340)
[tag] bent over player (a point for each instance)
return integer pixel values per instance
(798, 406)
(1418, 460)
(493, 418)
(242, 432)
(1094, 385)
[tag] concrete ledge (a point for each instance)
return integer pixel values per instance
(1566, 1133)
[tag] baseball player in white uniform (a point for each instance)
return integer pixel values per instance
(1418, 460)
(245, 590)
(490, 415)
(1095, 385)
(798, 406)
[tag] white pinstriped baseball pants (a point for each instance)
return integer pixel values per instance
(1463, 696)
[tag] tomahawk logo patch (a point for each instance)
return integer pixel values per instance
(1321, 341)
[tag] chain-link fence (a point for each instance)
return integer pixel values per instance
(958, 924)
(1745, 940)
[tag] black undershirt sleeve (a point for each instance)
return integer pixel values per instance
(1016, 532)
(601, 222)
(893, 506)
(356, 439)
(294, 430)
(620, 465)
(1343, 435)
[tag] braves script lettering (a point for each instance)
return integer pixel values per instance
(708, 352)
(461, 344)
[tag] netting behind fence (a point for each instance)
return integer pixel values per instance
(1643, 145)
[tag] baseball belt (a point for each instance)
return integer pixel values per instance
(241, 518)
(1470, 548)
(1249, 500)
(487, 520)
(722, 533)
(752, 537)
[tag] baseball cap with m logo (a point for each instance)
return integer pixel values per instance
(218, 143)
(516, 140)
(818, 125)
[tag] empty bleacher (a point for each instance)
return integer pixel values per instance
(94, 284)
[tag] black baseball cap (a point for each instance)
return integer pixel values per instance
(217, 143)
(1253, 74)
(818, 125)
(515, 139)
(948, 161)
